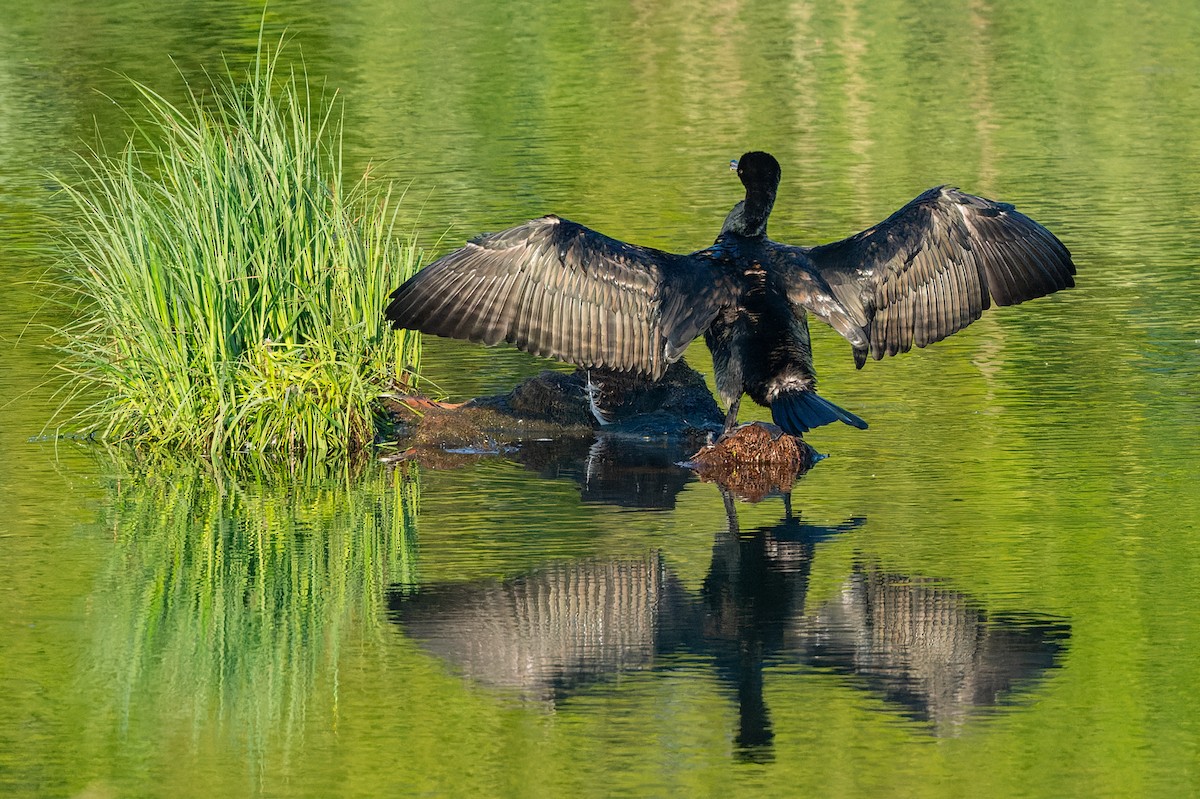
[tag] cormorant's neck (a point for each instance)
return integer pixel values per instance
(749, 217)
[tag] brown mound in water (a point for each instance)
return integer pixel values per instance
(755, 460)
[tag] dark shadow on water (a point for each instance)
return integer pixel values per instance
(930, 653)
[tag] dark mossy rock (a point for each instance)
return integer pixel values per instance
(676, 404)
(557, 405)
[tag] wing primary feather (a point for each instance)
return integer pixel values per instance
(468, 307)
(945, 312)
(929, 313)
(1054, 259)
(608, 321)
(954, 295)
(598, 332)
(942, 300)
(574, 341)
(552, 315)
(497, 312)
(521, 320)
(933, 289)
(428, 299)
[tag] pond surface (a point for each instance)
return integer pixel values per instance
(990, 592)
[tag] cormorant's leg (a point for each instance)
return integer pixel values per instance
(731, 417)
(730, 513)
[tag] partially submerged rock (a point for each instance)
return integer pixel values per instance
(471, 427)
(557, 405)
(581, 416)
(678, 403)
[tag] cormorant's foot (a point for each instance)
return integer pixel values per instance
(775, 430)
(727, 433)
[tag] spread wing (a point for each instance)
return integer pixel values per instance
(555, 288)
(927, 271)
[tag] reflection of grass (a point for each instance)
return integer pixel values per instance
(231, 591)
(233, 283)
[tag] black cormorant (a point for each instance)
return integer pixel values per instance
(558, 289)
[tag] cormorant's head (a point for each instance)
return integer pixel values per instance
(758, 170)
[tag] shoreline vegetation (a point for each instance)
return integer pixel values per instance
(227, 284)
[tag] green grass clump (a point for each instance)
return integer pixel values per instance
(231, 285)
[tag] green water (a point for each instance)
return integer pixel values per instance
(991, 592)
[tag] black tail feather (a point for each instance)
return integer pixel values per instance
(798, 412)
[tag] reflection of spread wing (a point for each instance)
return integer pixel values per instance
(548, 631)
(559, 289)
(927, 271)
(928, 647)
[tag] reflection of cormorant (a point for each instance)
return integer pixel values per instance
(614, 469)
(556, 288)
(931, 649)
(755, 587)
(549, 632)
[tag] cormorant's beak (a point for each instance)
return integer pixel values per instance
(733, 165)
